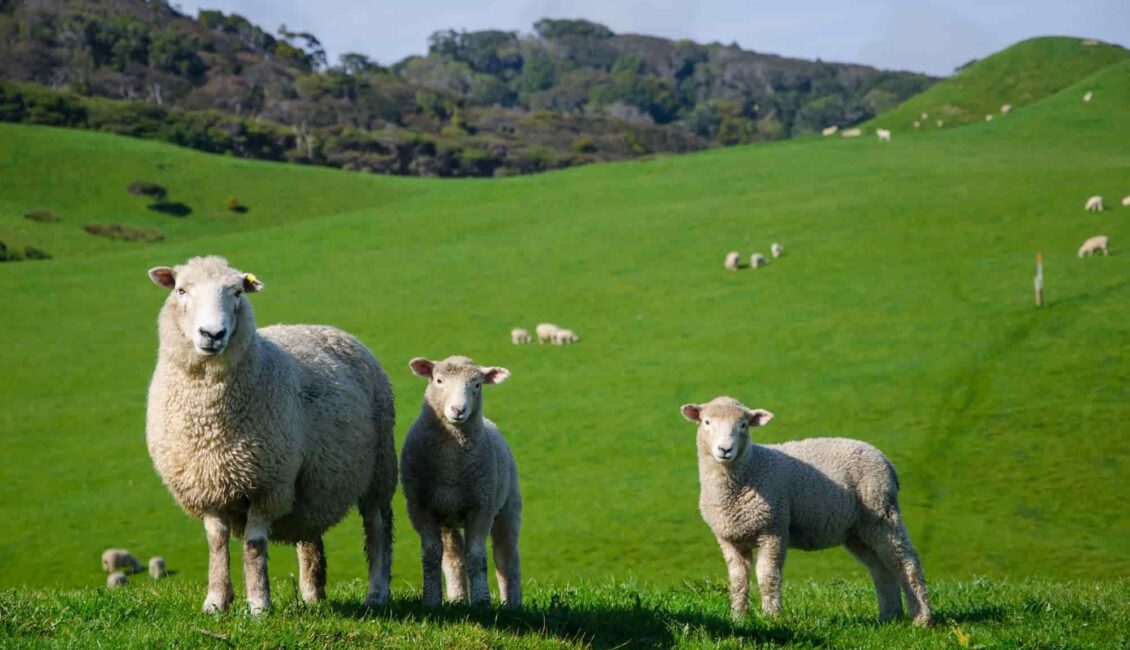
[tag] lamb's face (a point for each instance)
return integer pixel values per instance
(455, 389)
(206, 296)
(723, 427)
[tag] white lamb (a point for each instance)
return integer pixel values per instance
(925, 116)
(545, 332)
(939, 123)
(458, 473)
(732, 261)
(989, 117)
(851, 133)
(278, 432)
(157, 567)
(884, 135)
(757, 260)
(830, 130)
(1087, 97)
(1005, 109)
(565, 337)
(776, 250)
(115, 559)
(116, 580)
(1096, 243)
(1094, 204)
(917, 124)
(807, 494)
(1126, 200)
(518, 336)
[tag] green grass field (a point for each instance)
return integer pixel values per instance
(901, 315)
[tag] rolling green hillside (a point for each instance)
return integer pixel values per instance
(901, 315)
(1019, 75)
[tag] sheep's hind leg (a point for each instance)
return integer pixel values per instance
(738, 561)
(220, 593)
(507, 563)
(255, 561)
(312, 570)
(886, 582)
(454, 573)
(770, 561)
(377, 521)
(891, 543)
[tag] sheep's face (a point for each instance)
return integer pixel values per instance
(455, 389)
(206, 296)
(723, 427)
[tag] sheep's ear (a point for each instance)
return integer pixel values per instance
(251, 284)
(163, 276)
(422, 367)
(495, 375)
(692, 412)
(759, 417)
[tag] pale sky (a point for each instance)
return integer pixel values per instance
(933, 36)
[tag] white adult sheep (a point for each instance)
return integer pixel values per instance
(157, 568)
(518, 336)
(829, 130)
(565, 337)
(115, 559)
(1096, 243)
(807, 494)
(1126, 200)
(776, 250)
(757, 260)
(732, 261)
(851, 133)
(1006, 108)
(1094, 204)
(1087, 97)
(545, 332)
(277, 431)
(884, 135)
(116, 580)
(458, 473)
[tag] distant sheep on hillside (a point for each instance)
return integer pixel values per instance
(115, 559)
(545, 332)
(939, 123)
(831, 130)
(1126, 200)
(916, 124)
(884, 135)
(851, 133)
(757, 260)
(776, 249)
(1096, 243)
(989, 117)
(1087, 97)
(518, 336)
(731, 263)
(1094, 204)
(1005, 109)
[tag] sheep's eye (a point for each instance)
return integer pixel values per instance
(706, 422)
(181, 291)
(438, 380)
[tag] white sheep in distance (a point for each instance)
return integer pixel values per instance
(884, 135)
(277, 431)
(518, 336)
(829, 130)
(851, 133)
(989, 117)
(565, 337)
(777, 250)
(939, 123)
(757, 260)
(1087, 97)
(732, 261)
(458, 473)
(545, 332)
(116, 559)
(157, 568)
(925, 116)
(1006, 108)
(1126, 200)
(1094, 204)
(917, 124)
(1093, 244)
(116, 580)
(808, 494)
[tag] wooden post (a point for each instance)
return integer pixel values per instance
(1039, 279)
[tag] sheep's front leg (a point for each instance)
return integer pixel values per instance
(255, 561)
(770, 560)
(738, 561)
(431, 556)
(475, 561)
(220, 593)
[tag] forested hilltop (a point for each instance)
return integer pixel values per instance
(477, 104)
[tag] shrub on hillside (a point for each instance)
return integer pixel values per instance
(32, 253)
(583, 144)
(146, 188)
(39, 214)
(122, 232)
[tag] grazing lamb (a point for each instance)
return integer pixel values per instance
(830, 130)
(518, 336)
(989, 117)
(273, 432)
(116, 580)
(1087, 97)
(157, 567)
(1094, 204)
(1096, 243)
(851, 133)
(114, 559)
(545, 332)
(807, 494)
(757, 260)
(939, 123)
(925, 116)
(1005, 109)
(458, 473)
(884, 135)
(917, 124)
(777, 250)
(1126, 200)
(732, 262)
(565, 337)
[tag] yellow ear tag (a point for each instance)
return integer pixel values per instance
(250, 277)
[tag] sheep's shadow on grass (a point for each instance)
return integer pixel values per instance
(171, 208)
(975, 614)
(239, 209)
(599, 626)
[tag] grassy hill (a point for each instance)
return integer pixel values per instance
(1019, 75)
(900, 315)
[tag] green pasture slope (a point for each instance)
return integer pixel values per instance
(901, 314)
(1019, 75)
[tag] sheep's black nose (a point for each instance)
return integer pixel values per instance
(725, 450)
(215, 336)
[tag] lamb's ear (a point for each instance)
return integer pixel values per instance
(251, 284)
(758, 417)
(692, 412)
(422, 367)
(495, 375)
(163, 276)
